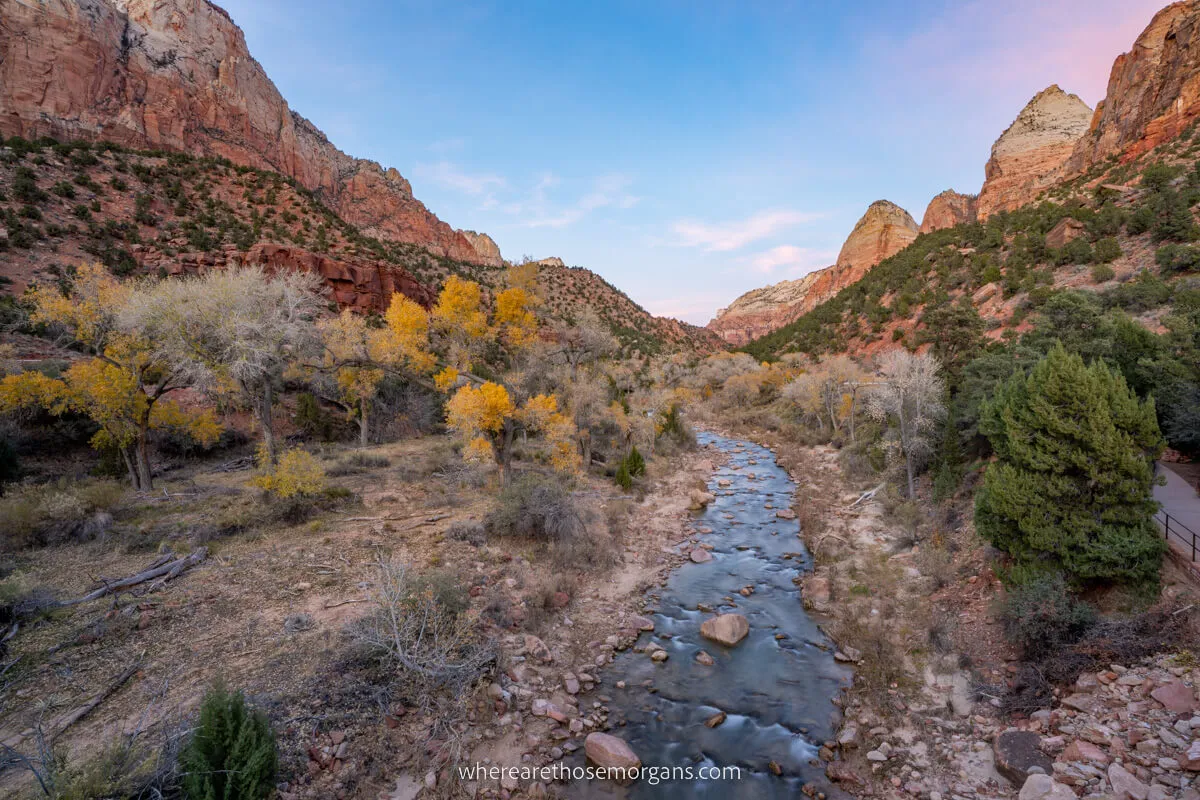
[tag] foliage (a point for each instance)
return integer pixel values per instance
(297, 474)
(234, 330)
(1041, 616)
(487, 420)
(232, 754)
(1071, 486)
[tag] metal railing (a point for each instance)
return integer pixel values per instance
(1174, 530)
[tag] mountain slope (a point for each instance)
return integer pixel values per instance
(176, 75)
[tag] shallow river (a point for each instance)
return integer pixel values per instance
(776, 687)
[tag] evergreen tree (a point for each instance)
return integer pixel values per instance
(232, 754)
(635, 463)
(1072, 484)
(623, 478)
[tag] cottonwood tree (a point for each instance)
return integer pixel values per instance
(488, 421)
(910, 395)
(123, 386)
(236, 329)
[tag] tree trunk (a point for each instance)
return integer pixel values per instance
(853, 404)
(363, 427)
(585, 448)
(142, 457)
(263, 411)
(503, 448)
(127, 457)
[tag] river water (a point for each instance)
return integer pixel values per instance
(776, 687)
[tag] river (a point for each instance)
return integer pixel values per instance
(776, 686)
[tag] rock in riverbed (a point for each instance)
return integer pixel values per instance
(726, 629)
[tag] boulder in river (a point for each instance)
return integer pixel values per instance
(700, 499)
(700, 555)
(726, 629)
(606, 750)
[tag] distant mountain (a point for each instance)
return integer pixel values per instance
(884, 229)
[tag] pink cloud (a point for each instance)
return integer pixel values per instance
(976, 46)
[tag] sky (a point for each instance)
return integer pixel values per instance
(686, 150)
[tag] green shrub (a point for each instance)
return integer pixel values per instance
(623, 478)
(637, 464)
(1040, 615)
(1107, 250)
(1102, 273)
(1072, 484)
(232, 754)
(1177, 257)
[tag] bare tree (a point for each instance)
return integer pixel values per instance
(910, 395)
(237, 327)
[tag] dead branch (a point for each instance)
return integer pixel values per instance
(867, 495)
(163, 569)
(346, 603)
(60, 725)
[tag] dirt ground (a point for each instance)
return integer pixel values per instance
(268, 610)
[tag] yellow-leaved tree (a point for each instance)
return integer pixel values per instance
(357, 356)
(487, 420)
(122, 387)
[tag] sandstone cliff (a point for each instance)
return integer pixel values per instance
(485, 247)
(883, 231)
(1153, 91)
(176, 75)
(948, 209)
(1031, 155)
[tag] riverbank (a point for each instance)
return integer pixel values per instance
(917, 615)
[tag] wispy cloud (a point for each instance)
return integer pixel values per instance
(722, 237)
(695, 308)
(790, 259)
(607, 191)
(450, 176)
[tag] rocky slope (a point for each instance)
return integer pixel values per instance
(1031, 155)
(884, 230)
(948, 209)
(1153, 91)
(176, 75)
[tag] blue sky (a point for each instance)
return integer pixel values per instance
(686, 151)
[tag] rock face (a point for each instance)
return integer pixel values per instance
(552, 261)
(883, 231)
(1153, 91)
(948, 209)
(486, 248)
(1031, 155)
(176, 75)
(356, 283)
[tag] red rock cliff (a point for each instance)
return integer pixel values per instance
(948, 209)
(176, 74)
(1153, 91)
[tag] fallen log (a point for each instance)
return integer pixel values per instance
(162, 568)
